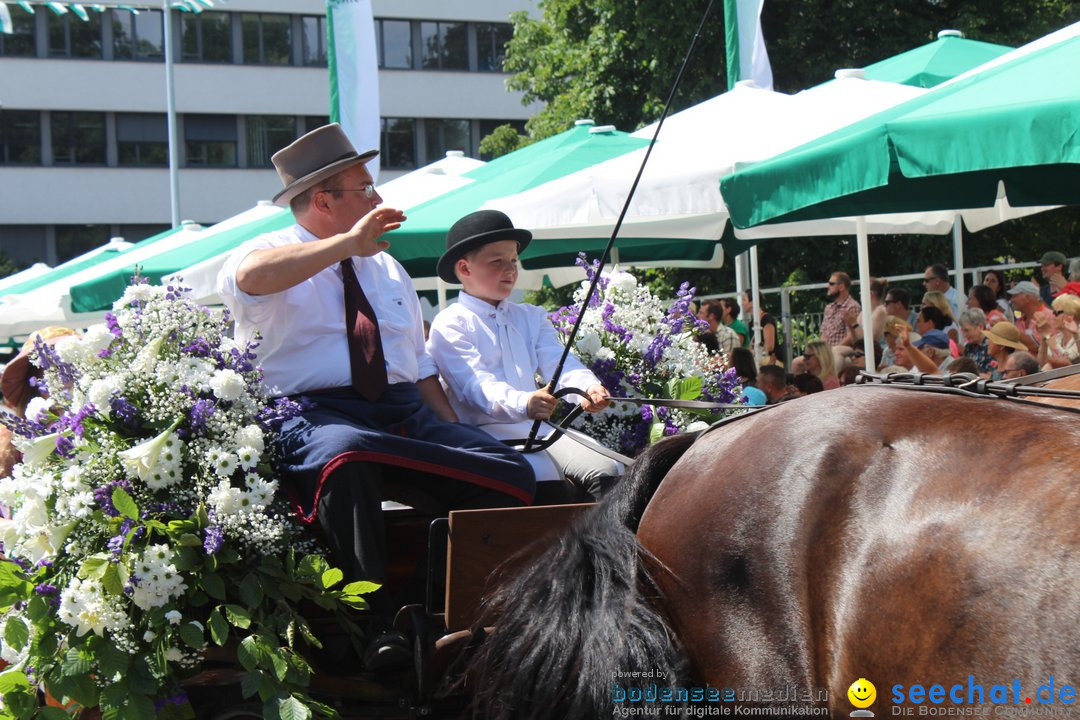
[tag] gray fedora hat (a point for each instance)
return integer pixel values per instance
(311, 158)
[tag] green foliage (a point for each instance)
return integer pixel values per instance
(502, 140)
(614, 61)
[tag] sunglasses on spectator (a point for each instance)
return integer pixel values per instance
(858, 354)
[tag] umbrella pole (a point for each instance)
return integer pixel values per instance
(958, 255)
(755, 295)
(863, 245)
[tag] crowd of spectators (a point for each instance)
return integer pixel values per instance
(1001, 330)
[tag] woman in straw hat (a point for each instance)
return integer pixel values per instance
(1004, 340)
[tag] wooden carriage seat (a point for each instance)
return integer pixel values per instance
(482, 541)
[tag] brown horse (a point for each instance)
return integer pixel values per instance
(912, 539)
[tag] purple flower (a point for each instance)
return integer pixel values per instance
(198, 348)
(114, 327)
(103, 496)
(65, 448)
(200, 414)
(273, 416)
(215, 536)
(124, 411)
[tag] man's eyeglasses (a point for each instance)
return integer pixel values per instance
(368, 190)
(1006, 371)
(890, 301)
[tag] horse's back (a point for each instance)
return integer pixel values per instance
(879, 533)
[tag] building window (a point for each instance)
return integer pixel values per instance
(210, 140)
(206, 37)
(142, 139)
(443, 135)
(20, 137)
(138, 37)
(78, 138)
(22, 42)
(74, 240)
(398, 143)
(491, 39)
(394, 41)
(23, 245)
(266, 134)
(71, 37)
(313, 28)
(445, 46)
(311, 122)
(135, 233)
(267, 38)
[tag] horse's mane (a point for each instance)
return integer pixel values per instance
(579, 613)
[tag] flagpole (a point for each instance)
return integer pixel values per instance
(170, 115)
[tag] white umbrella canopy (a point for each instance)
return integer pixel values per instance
(51, 304)
(430, 181)
(35, 270)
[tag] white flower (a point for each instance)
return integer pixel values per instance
(140, 460)
(174, 617)
(228, 384)
(149, 636)
(697, 425)
(621, 281)
(141, 293)
(71, 350)
(250, 435)
(84, 607)
(604, 353)
(148, 356)
(36, 406)
(249, 457)
(97, 338)
(588, 342)
(35, 450)
(174, 655)
(101, 393)
(225, 464)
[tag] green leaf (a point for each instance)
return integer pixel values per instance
(305, 630)
(80, 688)
(114, 696)
(192, 635)
(213, 585)
(189, 540)
(360, 587)
(124, 504)
(219, 629)
(112, 660)
(53, 713)
(355, 602)
(94, 566)
(16, 632)
(179, 527)
(332, 577)
(247, 653)
(20, 704)
(312, 566)
(278, 665)
(13, 680)
(238, 616)
(656, 432)
(139, 707)
(685, 389)
(110, 580)
(251, 591)
(75, 663)
(250, 683)
(289, 708)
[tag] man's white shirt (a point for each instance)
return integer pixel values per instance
(487, 382)
(304, 345)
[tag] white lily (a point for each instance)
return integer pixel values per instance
(140, 460)
(35, 450)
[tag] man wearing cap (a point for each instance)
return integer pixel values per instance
(1025, 298)
(1053, 272)
(340, 325)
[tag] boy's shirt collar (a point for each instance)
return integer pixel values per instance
(482, 307)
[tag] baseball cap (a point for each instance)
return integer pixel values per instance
(1025, 288)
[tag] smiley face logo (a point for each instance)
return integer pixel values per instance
(862, 693)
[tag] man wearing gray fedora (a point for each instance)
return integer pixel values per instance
(339, 324)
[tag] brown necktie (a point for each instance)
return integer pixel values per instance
(365, 343)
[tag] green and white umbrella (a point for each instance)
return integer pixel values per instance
(52, 303)
(999, 141)
(31, 273)
(98, 255)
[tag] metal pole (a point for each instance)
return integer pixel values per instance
(740, 273)
(755, 296)
(785, 314)
(864, 290)
(958, 255)
(170, 114)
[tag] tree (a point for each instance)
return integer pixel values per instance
(615, 60)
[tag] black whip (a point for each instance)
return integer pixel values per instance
(618, 224)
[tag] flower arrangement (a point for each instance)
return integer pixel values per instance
(145, 526)
(640, 346)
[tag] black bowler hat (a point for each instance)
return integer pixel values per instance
(476, 230)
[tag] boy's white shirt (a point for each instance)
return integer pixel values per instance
(488, 357)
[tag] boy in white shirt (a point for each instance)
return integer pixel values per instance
(489, 350)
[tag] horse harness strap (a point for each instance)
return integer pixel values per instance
(970, 385)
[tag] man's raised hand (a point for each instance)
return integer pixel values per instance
(364, 235)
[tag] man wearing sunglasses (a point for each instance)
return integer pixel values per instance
(339, 323)
(842, 313)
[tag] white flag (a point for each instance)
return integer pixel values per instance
(746, 55)
(354, 73)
